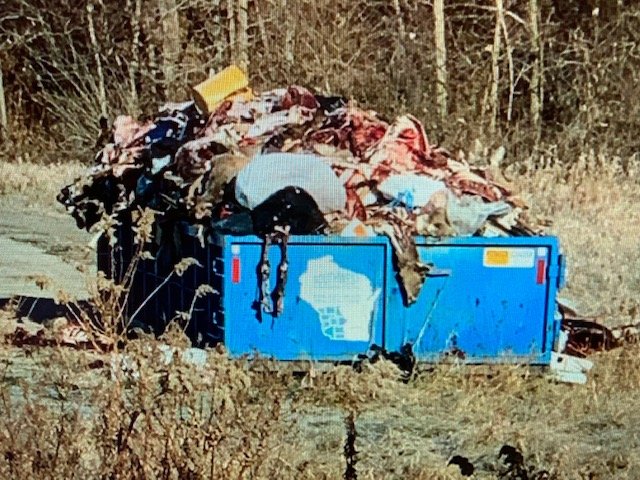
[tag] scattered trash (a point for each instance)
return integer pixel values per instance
(586, 335)
(270, 173)
(513, 466)
(57, 334)
(569, 369)
(291, 208)
(355, 228)
(404, 359)
(411, 189)
(512, 456)
(516, 468)
(466, 467)
(468, 214)
(122, 363)
(192, 356)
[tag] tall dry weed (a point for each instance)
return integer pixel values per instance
(157, 418)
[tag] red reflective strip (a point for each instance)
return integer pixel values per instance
(235, 270)
(542, 270)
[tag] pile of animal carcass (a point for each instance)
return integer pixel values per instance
(288, 161)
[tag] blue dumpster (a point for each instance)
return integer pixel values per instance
(486, 300)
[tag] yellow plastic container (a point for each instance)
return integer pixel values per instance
(212, 92)
(244, 94)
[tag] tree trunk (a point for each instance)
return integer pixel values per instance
(3, 108)
(536, 71)
(262, 29)
(288, 40)
(243, 34)
(152, 32)
(399, 51)
(441, 59)
(231, 16)
(170, 45)
(102, 92)
(495, 69)
(134, 68)
(508, 51)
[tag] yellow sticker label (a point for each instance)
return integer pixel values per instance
(496, 257)
(517, 257)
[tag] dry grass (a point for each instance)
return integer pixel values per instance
(71, 418)
(595, 212)
(37, 183)
(65, 415)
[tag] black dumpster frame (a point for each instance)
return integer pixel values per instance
(206, 325)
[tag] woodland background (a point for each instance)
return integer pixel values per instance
(545, 78)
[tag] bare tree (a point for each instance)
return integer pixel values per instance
(151, 34)
(441, 59)
(495, 67)
(260, 19)
(243, 34)
(135, 10)
(231, 16)
(288, 41)
(3, 108)
(102, 91)
(508, 49)
(536, 72)
(170, 43)
(399, 50)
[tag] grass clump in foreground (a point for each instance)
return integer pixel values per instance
(138, 417)
(77, 414)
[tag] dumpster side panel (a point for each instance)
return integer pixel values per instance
(334, 303)
(491, 302)
(157, 294)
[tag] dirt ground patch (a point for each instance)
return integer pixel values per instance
(38, 238)
(41, 243)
